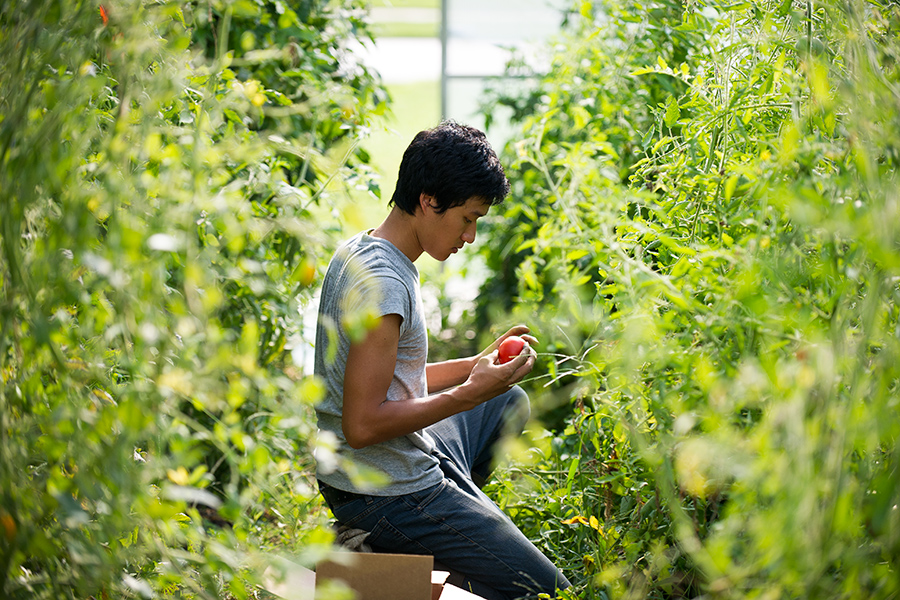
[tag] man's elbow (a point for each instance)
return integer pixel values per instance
(357, 436)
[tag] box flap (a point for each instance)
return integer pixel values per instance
(286, 579)
(438, 579)
(381, 576)
(451, 592)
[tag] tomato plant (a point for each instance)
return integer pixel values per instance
(697, 233)
(156, 245)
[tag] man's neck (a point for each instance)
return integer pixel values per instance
(399, 229)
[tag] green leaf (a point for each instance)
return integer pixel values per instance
(570, 476)
(245, 8)
(673, 112)
(730, 185)
(662, 142)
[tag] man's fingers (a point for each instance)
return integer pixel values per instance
(491, 357)
(517, 330)
(523, 363)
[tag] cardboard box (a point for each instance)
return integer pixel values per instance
(370, 576)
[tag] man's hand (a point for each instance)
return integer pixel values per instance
(489, 378)
(520, 330)
(449, 373)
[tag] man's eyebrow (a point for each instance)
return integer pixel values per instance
(477, 212)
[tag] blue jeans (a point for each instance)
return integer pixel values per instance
(454, 520)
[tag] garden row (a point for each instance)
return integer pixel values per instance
(703, 233)
(160, 166)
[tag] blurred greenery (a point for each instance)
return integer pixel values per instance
(159, 167)
(700, 235)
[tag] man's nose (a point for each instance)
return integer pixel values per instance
(468, 235)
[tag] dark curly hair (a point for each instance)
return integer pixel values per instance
(451, 163)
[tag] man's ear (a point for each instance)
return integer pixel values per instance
(426, 202)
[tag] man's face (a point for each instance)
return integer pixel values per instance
(449, 231)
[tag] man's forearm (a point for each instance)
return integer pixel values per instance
(447, 374)
(391, 419)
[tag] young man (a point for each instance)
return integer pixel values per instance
(430, 428)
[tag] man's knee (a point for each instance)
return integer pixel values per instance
(518, 410)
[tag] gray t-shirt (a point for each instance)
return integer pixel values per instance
(371, 275)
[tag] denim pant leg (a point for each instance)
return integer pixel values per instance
(469, 438)
(464, 530)
(454, 520)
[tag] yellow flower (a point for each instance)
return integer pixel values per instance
(178, 476)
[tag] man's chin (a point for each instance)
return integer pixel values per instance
(440, 257)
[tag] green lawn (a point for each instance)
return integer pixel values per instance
(396, 23)
(415, 106)
(407, 3)
(398, 29)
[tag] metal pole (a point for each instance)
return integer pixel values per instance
(444, 37)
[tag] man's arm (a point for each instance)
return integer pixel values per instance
(449, 373)
(368, 418)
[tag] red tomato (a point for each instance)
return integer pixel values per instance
(510, 348)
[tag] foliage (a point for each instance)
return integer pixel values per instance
(157, 243)
(702, 234)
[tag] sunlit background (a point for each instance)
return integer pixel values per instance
(436, 59)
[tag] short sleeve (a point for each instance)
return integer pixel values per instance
(395, 298)
(380, 294)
